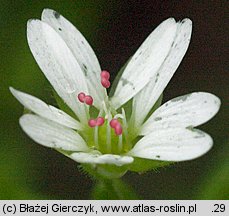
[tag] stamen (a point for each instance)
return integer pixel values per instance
(119, 116)
(96, 122)
(81, 97)
(118, 129)
(86, 111)
(88, 100)
(92, 122)
(108, 141)
(85, 98)
(105, 83)
(114, 123)
(96, 137)
(120, 143)
(99, 121)
(105, 76)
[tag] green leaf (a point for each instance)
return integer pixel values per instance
(114, 189)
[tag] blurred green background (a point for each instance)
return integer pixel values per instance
(115, 29)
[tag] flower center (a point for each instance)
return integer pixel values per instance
(108, 131)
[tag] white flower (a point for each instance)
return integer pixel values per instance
(70, 65)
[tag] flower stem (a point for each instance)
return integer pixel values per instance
(110, 189)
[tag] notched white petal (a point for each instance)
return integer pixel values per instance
(147, 97)
(81, 50)
(47, 111)
(51, 134)
(145, 62)
(58, 64)
(189, 110)
(174, 144)
(98, 158)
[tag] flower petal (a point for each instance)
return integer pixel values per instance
(51, 134)
(185, 111)
(47, 111)
(173, 144)
(145, 62)
(147, 97)
(58, 64)
(98, 158)
(81, 50)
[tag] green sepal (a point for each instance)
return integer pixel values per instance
(142, 165)
(99, 171)
(104, 171)
(114, 189)
(108, 171)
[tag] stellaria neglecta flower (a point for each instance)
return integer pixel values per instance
(128, 130)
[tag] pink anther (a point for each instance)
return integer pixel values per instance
(88, 100)
(99, 121)
(105, 83)
(96, 122)
(105, 74)
(92, 122)
(114, 122)
(118, 129)
(81, 97)
(85, 98)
